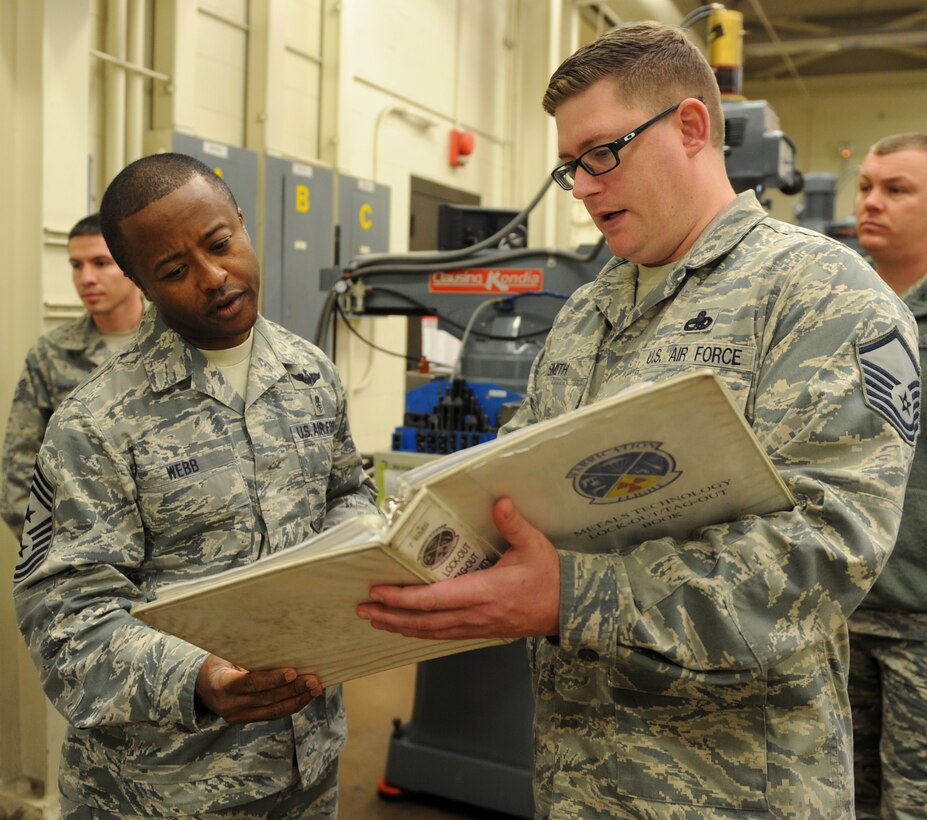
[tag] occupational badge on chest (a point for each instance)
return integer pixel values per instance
(701, 322)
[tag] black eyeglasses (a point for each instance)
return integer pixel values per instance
(602, 158)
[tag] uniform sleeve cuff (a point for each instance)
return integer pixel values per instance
(181, 663)
(589, 604)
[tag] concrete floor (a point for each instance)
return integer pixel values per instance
(372, 703)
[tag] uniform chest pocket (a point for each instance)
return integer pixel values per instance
(314, 440)
(562, 383)
(182, 492)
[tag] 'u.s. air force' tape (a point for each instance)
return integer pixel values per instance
(891, 382)
(37, 529)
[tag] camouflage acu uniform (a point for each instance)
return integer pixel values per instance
(888, 654)
(153, 471)
(706, 678)
(54, 367)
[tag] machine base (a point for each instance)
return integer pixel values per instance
(470, 737)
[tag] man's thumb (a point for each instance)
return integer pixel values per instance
(509, 521)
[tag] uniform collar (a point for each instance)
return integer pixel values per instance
(169, 359)
(81, 334)
(732, 223)
(916, 298)
(613, 289)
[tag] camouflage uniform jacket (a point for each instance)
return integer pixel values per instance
(706, 678)
(55, 365)
(154, 471)
(897, 603)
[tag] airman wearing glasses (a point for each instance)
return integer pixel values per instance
(703, 676)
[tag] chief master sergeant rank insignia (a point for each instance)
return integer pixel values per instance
(38, 527)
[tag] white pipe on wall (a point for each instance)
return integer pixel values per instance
(554, 58)
(115, 90)
(135, 82)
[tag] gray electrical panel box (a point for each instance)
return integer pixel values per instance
(299, 240)
(363, 218)
(237, 166)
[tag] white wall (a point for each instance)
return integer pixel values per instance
(302, 78)
(44, 95)
(11, 765)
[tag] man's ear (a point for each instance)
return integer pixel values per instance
(695, 125)
(241, 218)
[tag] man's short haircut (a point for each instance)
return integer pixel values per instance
(145, 181)
(910, 141)
(88, 226)
(656, 66)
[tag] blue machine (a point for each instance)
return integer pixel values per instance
(469, 738)
(444, 416)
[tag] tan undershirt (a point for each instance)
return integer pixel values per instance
(117, 341)
(233, 363)
(648, 279)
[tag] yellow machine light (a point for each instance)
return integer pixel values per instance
(725, 51)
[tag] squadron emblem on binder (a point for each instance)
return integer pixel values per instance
(438, 546)
(623, 473)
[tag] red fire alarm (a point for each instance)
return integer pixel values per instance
(462, 145)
